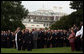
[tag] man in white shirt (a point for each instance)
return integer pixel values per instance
(79, 36)
(80, 32)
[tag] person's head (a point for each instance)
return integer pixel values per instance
(72, 30)
(26, 30)
(55, 30)
(18, 28)
(4, 32)
(23, 31)
(1, 31)
(12, 33)
(40, 28)
(64, 31)
(9, 31)
(74, 25)
(33, 29)
(30, 31)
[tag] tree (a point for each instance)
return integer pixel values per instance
(76, 5)
(12, 12)
(76, 17)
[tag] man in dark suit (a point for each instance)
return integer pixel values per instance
(42, 38)
(18, 38)
(13, 39)
(2, 39)
(27, 40)
(65, 38)
(5, 38)
(48, 38)
(54, 38)
(39, 39)
(9, 39)
(59, 38)
(79, 36)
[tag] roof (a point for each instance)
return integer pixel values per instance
(46, 13)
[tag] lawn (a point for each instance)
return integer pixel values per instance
(43, 50)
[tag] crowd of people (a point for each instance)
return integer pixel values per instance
(33, 39)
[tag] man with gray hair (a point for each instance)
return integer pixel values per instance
(35, 36)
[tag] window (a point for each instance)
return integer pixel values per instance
(44, 24)
(29, 20)
(37, 25)
(47, 24)
(32, 25)
(51, 18)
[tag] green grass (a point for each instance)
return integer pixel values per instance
(43, 50)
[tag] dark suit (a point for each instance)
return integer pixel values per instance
(39, 40)
(5, 40)
(65, 39)
(2, 41)
(78, 43)
(45, 39)
(42, 39)
(48, 37)
(59, 39)
(13, 41)
(54, 39)
(9, 40)
(19, 40)
(27, 38)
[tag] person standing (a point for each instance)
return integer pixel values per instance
(65, 38)
(72, 40)
(2, 39)
(53, 38)
(9, 39)
(40, 34)
(13, 39)
(6, 39)
(56, 38)
(75, 28)
(30, 41)
(35, 36)
(27, 40)
(45, 40)
(59, 38)
(48, 38)
(79, 38)
(23, 39)
(18, 38)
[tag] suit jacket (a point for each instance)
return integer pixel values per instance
(35, 35)
(19, 36)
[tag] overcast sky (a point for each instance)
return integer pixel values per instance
(35, 5)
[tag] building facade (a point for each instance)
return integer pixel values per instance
(41, 19)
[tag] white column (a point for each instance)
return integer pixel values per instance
(54, 18)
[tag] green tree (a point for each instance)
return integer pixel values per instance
(75, 17)
(12, 12)
(76, 5)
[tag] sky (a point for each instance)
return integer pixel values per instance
(35, 5)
